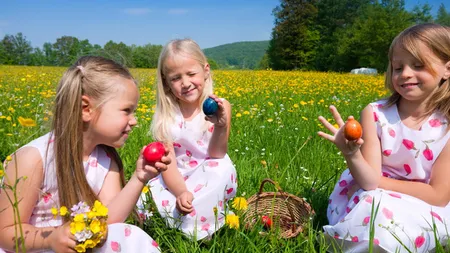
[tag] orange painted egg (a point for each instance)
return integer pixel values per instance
(352, 130)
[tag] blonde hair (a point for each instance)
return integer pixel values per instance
(166, 102)
(89, 76)
(437, 39)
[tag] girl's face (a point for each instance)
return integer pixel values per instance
(411, 79)
(186, 78)
(113, 121)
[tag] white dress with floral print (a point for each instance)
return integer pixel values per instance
(407, 155)
(212, 181)
(121, 237)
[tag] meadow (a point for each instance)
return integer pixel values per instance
(273, 135)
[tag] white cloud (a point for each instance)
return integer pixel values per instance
(178, 11)
(137, 11)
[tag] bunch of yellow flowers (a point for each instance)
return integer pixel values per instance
(88, 225)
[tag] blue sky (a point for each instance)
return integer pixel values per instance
(210, 23)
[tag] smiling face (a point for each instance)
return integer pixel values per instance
(113, 120)
(186, 78)
(414, 79)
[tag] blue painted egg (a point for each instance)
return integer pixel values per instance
(210, 106)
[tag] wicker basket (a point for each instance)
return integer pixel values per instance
(288, 212)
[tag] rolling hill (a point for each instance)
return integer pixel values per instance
(238, 55)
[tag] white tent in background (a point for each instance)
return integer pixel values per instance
(364, 71)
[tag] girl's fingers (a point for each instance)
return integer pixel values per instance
(328, 125)
(337, 117)
(326, 136)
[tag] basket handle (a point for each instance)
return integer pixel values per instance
(282, 193)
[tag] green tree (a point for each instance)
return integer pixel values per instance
(366, 43)
(213, 64)
(264, 63)
(294, 38)
(333, 17)
(145, 56)
(443, 17)
(16, 49)
(119, 52)
(422, 14)
(66, 50)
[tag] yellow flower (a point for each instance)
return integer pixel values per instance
(79, 218)
(63, 211)
(303, 103)
(80, 248)
(2, 173)
(26, 122)
(238, 115)
(72, 228)
(91, 214)
(8, 158)
(145, 189)
(100, 208)
(232, 221)
(264, 163)
(8, 118)
(95, 226)
(80, 226)
(240, 203)
(304, 118)
(54, 211)
(215, 211)
(89, 244)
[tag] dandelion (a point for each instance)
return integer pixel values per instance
(240, 203)
(238, 115)
(145, 189)
(63, 211)
(232, 221)
(269, 120)
(2, 173)
(8, 158)
(26, 122)
(54, 211)
(264, 163)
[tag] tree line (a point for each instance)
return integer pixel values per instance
(339, 35)
(323, 35)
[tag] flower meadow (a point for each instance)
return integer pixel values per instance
(273, 135)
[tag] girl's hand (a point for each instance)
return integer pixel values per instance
(346, 147)
(184, 202)
(61, 240)
(146, 171)
(220, 117)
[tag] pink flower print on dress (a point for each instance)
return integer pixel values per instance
(198, 188)
(437, 216)
(230, 190)
(47, 196)
(428, 154)
(127, 231)
(348, 209)
(221, 204)
(193, 213)
(387, 213)
(375, 116)
(408, 144)
(343, 183)
(203, 219)
(376, 241)
(93, 163)
(368, 199)
(355, 239)
(391, 132)
(200, 143)
(176, 145)
(385, 174)
(336, 235)
(407, 169)
(387, 152)
(420, 240)
(205, 227)
(213, 163)
(185, 178)
(51, 140)
(115, 246)
(356, 199)
(395, 195)
(180, 124)
(344, 191)
(188, 153)
(155, 244)
(366, 221)
(165, 203)
(211, 129)
(193, 163)
(435, 123)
